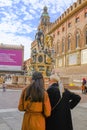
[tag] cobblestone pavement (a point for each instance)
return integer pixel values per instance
(11, 118)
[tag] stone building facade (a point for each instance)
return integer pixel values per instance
(69, 34)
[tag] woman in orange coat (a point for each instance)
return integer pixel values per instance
(35, 102)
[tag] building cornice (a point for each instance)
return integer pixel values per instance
(67, 16)
(7, 46)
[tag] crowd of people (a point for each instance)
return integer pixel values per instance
(47, 109)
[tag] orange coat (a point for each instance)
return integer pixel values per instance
(33, 118)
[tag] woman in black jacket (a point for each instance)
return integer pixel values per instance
(62, 101)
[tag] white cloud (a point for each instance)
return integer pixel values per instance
(28, 16)
(5, 3)
(33, 2)
(16, 26)
(8, 27)
(32, 11)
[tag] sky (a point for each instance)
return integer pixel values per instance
(19, 20)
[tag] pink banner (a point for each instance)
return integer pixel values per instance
(11, 57)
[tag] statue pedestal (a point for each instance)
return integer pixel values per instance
(23, 81)
(43, 57)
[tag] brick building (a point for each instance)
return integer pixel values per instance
(69, 34)
(70, 40)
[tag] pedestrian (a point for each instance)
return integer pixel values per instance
(62, 101)
(83, 89)
(4, 86)
(34, 101)
(84, 84)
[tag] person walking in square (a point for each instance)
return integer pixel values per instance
(62, 101)
(4, 86)
(84, 86)
(34, 101)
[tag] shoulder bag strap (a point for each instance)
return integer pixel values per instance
(56, 104)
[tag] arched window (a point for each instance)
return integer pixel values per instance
(62, 45)
(77, 39)
(80, 1)
(86, 36)
(57, 48)
(69, 42)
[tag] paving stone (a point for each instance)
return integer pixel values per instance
(11, 118)
(3, 126)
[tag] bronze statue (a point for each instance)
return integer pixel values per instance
(40, 38)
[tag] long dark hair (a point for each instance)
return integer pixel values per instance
(35, 90)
